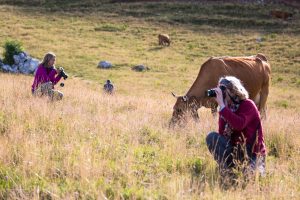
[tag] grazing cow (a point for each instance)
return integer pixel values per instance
(253, 71)
(281, 14)
(164, 39)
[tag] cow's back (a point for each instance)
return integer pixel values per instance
(253, 71)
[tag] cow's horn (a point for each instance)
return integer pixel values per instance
(174, 95)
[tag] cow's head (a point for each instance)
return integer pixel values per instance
(184, 108)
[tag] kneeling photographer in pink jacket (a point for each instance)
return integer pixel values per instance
(46, 77)
(239, 144)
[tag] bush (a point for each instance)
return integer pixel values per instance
(111, 27)
(11, 48)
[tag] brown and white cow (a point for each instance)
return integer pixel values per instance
(253, 71)
(164, 39)
(281, 14)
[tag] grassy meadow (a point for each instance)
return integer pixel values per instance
(94, 146)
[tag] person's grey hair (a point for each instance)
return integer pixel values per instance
(235, 87)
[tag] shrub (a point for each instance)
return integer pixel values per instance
(11, 48)
(111, 27)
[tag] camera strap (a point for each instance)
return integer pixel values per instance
(255, 138)
(235, 101)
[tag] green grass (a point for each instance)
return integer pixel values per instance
(109, 32)
(63, 150)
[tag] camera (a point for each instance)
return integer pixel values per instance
(212, 92)
(63, 73)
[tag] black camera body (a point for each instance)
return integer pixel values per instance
(212, 92)
(63, 73)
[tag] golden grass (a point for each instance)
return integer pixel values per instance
(93, 145)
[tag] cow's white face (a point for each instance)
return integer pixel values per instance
(184, 108)
(179, 109)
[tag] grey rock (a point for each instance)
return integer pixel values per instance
(23, 63)
(16, 59)
(6, 68)
(104, 64)
(14, 68)
(29, 66)
(140, 68)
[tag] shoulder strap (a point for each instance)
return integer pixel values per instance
(255, 138)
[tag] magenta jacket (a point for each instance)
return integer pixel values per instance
(246, 125)
(44, 75)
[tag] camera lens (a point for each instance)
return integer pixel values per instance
(211, 93)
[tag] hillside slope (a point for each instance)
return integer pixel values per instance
(82, 33)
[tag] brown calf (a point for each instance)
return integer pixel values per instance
(164, 39)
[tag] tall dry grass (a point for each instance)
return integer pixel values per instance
(91, 145)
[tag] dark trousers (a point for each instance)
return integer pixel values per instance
(231, 156)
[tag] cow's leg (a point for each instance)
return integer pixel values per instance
(257, 100)
(263, 100)
(214, 110)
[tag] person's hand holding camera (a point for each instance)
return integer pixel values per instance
(219, 97)
(59, 70)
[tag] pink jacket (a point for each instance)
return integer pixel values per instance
(44, 75)
(246, 125)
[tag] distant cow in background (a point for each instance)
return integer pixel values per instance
(281, 14)
(253, 71)
(164, 39)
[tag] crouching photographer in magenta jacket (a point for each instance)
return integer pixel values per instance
(46, 77)
(239, 144)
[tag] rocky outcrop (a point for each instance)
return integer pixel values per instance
(23, 63)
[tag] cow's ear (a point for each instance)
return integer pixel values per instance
(173, 94)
